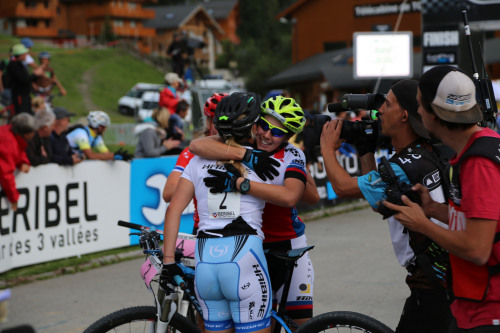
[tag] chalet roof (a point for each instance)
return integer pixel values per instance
(172, 17)
(333, 66)
(308, 69)
(219, 9)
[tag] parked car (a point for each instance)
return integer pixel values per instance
(132, 101)
(149, 102)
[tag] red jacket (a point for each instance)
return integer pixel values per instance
(168, 100)
(12, 156)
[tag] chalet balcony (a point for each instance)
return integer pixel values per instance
(36, 32)
(121, 12)
(133, 31)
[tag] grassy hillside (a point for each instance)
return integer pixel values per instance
(94, 78)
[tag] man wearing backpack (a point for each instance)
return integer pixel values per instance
(450, 112)
(19, 79)
(427, 308)
(87, 141)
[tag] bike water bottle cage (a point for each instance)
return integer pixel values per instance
(276, 131)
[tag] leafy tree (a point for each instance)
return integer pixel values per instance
(265, 48)
(107, 34)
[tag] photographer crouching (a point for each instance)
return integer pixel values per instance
(427, 308)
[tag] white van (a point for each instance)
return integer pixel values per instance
(132, 102)
(149, 102)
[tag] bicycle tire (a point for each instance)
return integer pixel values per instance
(343, 321)
(138, 319)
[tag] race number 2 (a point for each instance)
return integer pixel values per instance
(224, 205)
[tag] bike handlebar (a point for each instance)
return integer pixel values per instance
(130, 225)
(138, 227)
(179, 281)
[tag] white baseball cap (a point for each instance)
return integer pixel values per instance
(451, 94)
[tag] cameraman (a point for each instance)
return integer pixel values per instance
(427, 308)
(450, 112)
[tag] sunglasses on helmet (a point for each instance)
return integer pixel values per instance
(275, 130)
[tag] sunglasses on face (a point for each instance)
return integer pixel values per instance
(275, 130)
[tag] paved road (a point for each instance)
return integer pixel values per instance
(355, 269)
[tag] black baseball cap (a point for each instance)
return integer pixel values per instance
(61, 113)
(406, 94)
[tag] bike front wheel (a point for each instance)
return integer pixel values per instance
(139, 319)
(343, 321)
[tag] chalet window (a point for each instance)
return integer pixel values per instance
(132, 24)
(31, 23)
(29, 4)
(46, 4)
(132, 5)
(118, 23)
(47, 23)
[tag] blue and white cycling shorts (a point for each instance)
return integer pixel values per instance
(232, 283)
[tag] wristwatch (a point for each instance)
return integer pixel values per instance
(245, 186)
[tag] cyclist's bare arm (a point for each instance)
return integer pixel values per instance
(286, 195)
(170, 185)
(183, 195)
(310, 195)
(212, 148)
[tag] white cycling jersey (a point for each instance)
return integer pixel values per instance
(216, 210)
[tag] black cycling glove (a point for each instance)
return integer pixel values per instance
(168, 271)
(222, 181)
(262, 163)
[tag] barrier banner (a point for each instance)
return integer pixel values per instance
(147, 179)
(64, 212)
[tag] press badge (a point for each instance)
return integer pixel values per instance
(224, 205)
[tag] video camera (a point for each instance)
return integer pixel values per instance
(360, 130)
(394, 189)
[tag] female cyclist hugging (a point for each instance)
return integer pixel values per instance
(232, 282)
(281, 118)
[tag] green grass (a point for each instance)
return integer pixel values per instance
(106, 74)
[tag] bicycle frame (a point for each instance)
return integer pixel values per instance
(167, 302)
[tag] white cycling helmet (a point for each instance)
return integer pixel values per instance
(98, 118)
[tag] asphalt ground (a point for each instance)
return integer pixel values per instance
(355, 270)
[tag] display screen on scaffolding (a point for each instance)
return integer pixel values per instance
(383, 55)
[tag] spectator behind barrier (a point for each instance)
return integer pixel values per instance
(39, 148)
(169, 97)
(87, 141)
(152, 135)
(14, 138)
(61, 151)
(176, 126)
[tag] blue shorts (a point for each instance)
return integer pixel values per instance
(232, 283)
